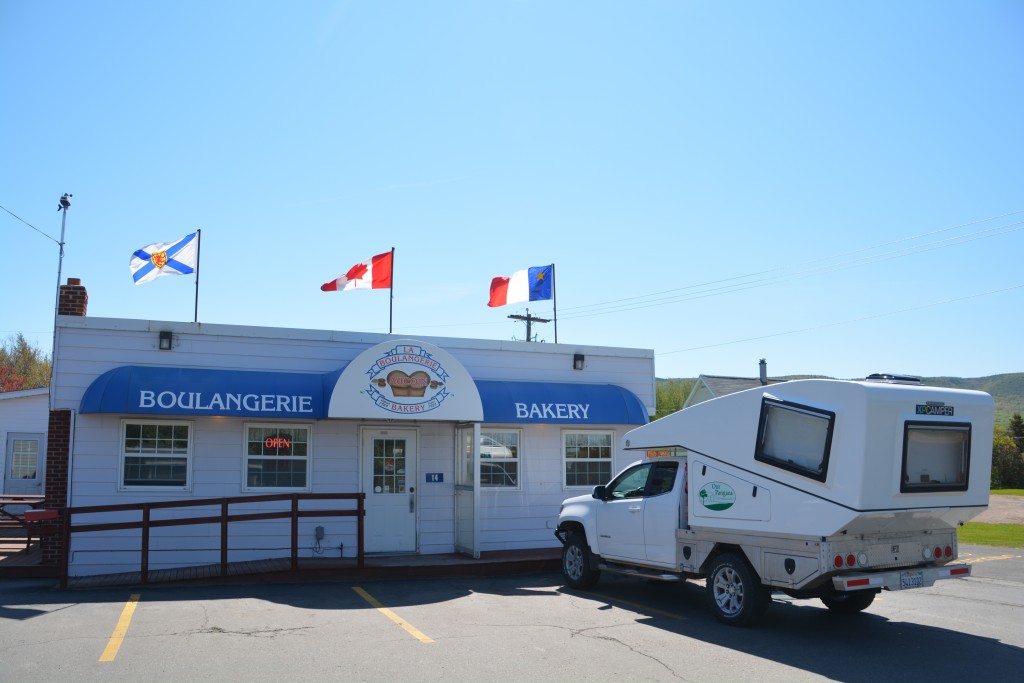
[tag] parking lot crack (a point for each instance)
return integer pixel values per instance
(592, 633)
(249, 633)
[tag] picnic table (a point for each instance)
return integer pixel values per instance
(21, 512)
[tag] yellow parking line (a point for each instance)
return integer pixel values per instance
(413, 631)
(614, 601)
(114, 644)
(990, 558)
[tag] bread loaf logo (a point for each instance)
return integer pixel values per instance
(407, 380)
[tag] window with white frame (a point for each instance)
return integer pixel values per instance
(276, 457)
(155, 455)
(587, 457)
(25, 459)
(499, 458)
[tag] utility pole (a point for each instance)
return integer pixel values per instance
(530, 319)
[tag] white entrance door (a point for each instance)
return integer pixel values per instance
(23, 464)
(389, 480)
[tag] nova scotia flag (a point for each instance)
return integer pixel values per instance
(165, 258)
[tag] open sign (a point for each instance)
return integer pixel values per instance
(277, 442)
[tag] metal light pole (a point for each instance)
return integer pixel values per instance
(64, 205)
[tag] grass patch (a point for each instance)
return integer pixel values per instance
(1007, 492)
(999, 535)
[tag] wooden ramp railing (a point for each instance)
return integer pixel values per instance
(224, 519)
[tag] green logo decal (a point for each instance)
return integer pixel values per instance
(717, 496)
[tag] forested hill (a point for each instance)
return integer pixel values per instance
(1007, 390)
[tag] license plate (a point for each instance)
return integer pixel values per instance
(911, 580)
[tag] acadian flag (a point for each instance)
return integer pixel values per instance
(372, 274)
(165, 258)
(533, 284)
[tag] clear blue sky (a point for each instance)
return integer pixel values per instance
(836, 187)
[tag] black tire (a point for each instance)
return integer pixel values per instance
(849, 603)
(734, 593)
(576, 563)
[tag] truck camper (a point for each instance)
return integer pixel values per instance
(826, 489)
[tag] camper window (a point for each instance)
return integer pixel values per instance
(795, 437)
(936, 457)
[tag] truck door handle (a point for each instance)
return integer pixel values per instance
(634, 509)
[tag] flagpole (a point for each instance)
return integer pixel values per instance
(554, 301)
(391, 296)
(199, 245)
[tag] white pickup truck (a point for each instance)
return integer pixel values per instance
(825, 489)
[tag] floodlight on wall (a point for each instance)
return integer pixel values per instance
(577, 361)
(166, 340)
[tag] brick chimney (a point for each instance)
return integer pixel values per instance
(73, 299)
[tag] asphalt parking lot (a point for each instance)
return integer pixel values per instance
(508, 628)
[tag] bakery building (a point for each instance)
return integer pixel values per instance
(459, 445)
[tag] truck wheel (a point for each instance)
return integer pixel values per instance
(735, 594)
(849, 603)
(576, 563)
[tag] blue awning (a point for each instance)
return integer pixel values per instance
(559, 403)
(133, 389)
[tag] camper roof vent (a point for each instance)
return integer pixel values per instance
(893, 379)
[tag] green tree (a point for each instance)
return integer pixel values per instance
(1007, 461)
(1016, 430)
(22, 365)
(671, 394)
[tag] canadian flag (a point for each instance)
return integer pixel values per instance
(372, 274)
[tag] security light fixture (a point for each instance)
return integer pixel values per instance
(166, 339)
(577, 361)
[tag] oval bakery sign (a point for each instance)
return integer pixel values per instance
(407, 379)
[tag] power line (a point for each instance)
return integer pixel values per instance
(816, 260)
(705, 290)
(789, 278)
(844, 322)
(30, 225)
(784, 274)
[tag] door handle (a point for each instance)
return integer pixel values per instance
(412, 499)
(634, 509)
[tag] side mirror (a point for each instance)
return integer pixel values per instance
(599, 492)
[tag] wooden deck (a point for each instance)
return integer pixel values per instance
(16, 563)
